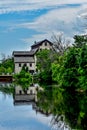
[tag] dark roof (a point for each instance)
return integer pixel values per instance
(33, 51)
(20, 53)
(40, 42)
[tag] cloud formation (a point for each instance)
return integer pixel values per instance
(39, 19)
(9, 6)
(56, 20)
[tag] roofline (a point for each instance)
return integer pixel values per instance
(21, 53)
(40, 42)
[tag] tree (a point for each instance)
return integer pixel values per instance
(57, 69)
(24, 78)
(74, 82)
(60, 43)
(80, 40)
(44, 60)
(7, 66)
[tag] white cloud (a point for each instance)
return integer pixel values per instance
(57, 19)
(54, 20)
(36, 37)
(62, 19)
(7, 6)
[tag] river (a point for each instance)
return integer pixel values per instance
(35, 108)
(22, 115)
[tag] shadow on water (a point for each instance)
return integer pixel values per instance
(68, 109)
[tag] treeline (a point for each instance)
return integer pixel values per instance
(67, 68)
(7, 66)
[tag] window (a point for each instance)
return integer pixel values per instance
(30, 64)
(19, 64)
(40, 49)
(20, 92)
(25, 64)
(45, 43)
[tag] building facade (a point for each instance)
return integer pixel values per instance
(28, 58)
(23, 58)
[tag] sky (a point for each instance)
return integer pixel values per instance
(22, 22)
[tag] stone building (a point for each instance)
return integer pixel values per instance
(28, 58)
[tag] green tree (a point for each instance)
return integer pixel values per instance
(24, 78)
(7, 66)
(57, 70)
(80, 40)
(70, 71)
(44, 61)
(74, 83)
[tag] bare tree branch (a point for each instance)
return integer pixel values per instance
(60, 43)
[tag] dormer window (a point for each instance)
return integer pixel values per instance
(45, 43)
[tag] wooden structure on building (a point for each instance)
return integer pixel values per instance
(5, 78)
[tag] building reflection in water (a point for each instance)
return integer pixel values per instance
(25, 96)
(28, 97)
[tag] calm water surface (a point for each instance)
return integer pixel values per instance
(21, 117)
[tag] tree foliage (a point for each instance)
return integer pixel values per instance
(71, 75)
(80, 40)
(7, 66)
(69, 71)
(24, 78)
(44, 61)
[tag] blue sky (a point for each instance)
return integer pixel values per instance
(23, 21)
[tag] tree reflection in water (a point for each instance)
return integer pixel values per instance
(58, 122)
(68, 108)
(51, 102)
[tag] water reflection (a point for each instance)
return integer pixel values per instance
(68, 107)
(25, 114)
(21, 117)
(28, 97)
(63, 109)
(51, 101)
(25, 96)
